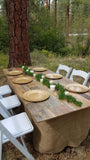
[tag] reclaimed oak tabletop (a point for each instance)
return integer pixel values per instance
(57, 123)
(51, 107)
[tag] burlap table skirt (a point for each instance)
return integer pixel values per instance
(54, 135)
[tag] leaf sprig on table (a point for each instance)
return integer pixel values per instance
(38, 77)
(25, 69)
(58, 87)
(69, 98)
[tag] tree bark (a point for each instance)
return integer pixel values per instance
(67, 27)
(47, 5)
(18, 22)
(55, 13)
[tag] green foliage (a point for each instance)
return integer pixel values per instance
(48, 40)
(24, 69)
(80, 46)
(46, 82)
(60, 87)
(42, 31)
(3, 60)
(3, 35)
(44, 35)
(38, 77)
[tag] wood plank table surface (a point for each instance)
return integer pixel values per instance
(57, 123)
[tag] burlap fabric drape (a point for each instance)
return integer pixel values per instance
(54, 135)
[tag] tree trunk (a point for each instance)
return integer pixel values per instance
(47, 5)
(18, 16)
(55, 13)
(67, 27)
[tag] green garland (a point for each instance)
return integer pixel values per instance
(38, 77)
(58, 87)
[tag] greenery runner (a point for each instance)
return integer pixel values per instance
(58, 87)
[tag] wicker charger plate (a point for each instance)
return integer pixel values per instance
(39, 69)
(22, 80)
(53, 76)
(14, 73)
(77, 88)
(36, 95)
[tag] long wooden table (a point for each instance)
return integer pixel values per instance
(57, 123)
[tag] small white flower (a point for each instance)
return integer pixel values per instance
(41, 80)
(32, 71)
(34, 75)
(50, 81)
(66, 92)
(22, 66)
(43, 76)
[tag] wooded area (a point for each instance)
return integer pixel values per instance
(62, 27)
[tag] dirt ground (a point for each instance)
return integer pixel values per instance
(10, 152)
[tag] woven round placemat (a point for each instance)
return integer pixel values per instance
(36, 95)
(22, 80)
(14, 73)
(53, 76)
(39, 69)
(78, 88)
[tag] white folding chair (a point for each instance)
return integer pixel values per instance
(4, 90)
(10, 102)
(65, 68)
(1, 96)
(14, 127)
(4, 112)
(80, 73)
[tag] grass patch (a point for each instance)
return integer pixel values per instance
(52, 62)
(40, 59)
(3, 61)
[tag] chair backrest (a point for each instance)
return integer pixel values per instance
(4, 131)
(1, 96)
(65, 68)
(80, 73)
(4, 112)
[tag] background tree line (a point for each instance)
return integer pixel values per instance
(50, 23)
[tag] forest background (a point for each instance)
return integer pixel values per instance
(61, 27)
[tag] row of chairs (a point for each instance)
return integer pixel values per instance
(11, 126)
(75, 72)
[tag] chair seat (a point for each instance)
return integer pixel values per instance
(4, 90)
(17, 125)
(10, 102)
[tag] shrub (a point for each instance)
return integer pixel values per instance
(48, 40)
(3, 35)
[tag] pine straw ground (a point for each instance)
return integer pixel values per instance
(10, 152)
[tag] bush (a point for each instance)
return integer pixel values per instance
(3, 35)
(48, 40)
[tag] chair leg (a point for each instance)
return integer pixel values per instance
(1, 96)
(0, 145)
(16, 143)
(22, 149)
(12, 112)
(24, 145)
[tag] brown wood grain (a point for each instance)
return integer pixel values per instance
(52, 107)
